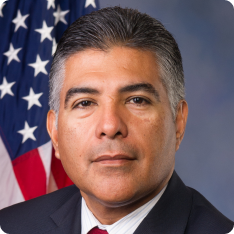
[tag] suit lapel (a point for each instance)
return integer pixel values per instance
(68, 217)
(170, 214)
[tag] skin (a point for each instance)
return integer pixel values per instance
(117, 147)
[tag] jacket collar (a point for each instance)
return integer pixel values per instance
(68, 216)
(171, 213)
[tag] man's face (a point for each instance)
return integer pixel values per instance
(116, 136)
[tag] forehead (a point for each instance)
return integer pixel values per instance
(111, 69)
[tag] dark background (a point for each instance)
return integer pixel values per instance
(204, 30)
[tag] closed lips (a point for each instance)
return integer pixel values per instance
(115, 157)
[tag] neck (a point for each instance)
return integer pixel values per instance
(109, 213)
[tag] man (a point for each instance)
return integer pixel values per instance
(117, 117)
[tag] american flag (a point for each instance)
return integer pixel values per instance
(29, 32)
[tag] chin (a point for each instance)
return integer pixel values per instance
(116, 201)
(114, 194)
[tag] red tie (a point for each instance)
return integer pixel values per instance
(96, 230)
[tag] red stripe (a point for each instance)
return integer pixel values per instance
(30, 173)
(60, 176)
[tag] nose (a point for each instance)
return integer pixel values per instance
(112, 123)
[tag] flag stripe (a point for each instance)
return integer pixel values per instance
(60, 177)
(45, 152)
(31, 178)
(10, 192)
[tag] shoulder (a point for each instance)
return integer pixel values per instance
(205, 218)
(37, 211)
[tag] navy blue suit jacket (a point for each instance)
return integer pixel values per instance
(180, 210)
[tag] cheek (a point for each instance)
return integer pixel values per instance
(155, 139)
(74, 133)
(73, 137)
(150, 133)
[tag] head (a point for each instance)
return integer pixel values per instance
(118, 112)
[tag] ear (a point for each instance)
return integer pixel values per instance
(52, 130)
(181, 120)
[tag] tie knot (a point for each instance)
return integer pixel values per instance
(96, 230)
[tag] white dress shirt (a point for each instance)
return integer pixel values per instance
(126, 225)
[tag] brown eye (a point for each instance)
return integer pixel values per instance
(139, 101)
(83, 104)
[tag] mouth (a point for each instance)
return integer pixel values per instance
(115, 160)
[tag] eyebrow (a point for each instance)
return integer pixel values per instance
(73, 91)
(147, 87)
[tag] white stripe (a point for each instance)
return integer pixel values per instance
(45, 152)
(10, 192)
(52, 186)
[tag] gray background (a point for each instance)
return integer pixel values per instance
(204, 30)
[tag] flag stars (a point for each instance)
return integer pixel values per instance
(19, 20)
(33, 99)
(50, 3)
(12, 54)
(60, 15)
(45, 31)
(27, 132)
(1, 7)
(39, 66)
(5, 88)
(90, 2)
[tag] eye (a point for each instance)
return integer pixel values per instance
(83, 104)
(139, 101)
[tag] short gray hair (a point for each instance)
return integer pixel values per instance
(116, 26)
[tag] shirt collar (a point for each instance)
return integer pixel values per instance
(126, 225)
